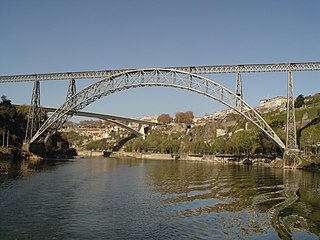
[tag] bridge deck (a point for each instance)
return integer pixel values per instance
(245, 68)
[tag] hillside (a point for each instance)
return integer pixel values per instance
(234, 135)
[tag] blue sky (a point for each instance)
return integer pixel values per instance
(39, 36)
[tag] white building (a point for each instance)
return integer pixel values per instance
(150, 118)
(221, 114)
(220, 132)
(273, 103)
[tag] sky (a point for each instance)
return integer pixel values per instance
(41, 36)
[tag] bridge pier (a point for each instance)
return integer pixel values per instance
(239, 90)
(291, 133)
(291, 158)
(26, 146)
(34, 116)
(72, 90)
(291, 154)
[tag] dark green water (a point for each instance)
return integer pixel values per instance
(135, 199)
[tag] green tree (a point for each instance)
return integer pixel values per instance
(239, 143)
(310, 136)
(170, 146)
(262, 143)
(199, 147)
(138, 145)
(153, 141)
(219, 145)
(13, 121)
(299, 101)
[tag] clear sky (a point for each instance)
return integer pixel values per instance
(39, 36)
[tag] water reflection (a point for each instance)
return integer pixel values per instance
(14, 169)
(10, 169)
(158, 199)
(300, 212)
(247, 201)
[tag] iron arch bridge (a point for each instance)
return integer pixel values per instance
(149, 78)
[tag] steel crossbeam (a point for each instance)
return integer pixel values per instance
(246, 68)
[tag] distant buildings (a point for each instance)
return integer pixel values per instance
(221, 114)
(97, 130)
(220, 132)
(150, 118)
(267, 105)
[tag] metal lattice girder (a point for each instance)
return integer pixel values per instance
(291, 134)
(71, 89)
(246, 68)
(153, 77)
(34, 117)
(71, 92)
(253, 68)
(239, 88)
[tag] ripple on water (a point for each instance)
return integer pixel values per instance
(132, 199)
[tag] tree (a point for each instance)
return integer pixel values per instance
(170, 146)
(299, 101)
(219, 145)
(153, 141)
(138, 144)
(184, 117)
(310, 136)
(262, 143)
(13, 121)
(164, 119)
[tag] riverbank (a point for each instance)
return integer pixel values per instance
(88, 153)
(224, 159)
(193, 157)
(152, 156)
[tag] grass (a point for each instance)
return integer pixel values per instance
(312, 111)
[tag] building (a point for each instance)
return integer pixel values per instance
(220, 132)
(272, 104)
(221, 114)
(149, 118)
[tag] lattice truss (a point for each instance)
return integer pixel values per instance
(152, 77)
(246, 68)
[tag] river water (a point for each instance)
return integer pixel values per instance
(104, 198)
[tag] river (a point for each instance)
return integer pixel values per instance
(105, 198)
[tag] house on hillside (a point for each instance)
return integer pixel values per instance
(272, 104)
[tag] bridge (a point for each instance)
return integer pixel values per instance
(123, 122)
(187, 78)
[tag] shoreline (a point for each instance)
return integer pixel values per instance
(203, 158)
(221, 159)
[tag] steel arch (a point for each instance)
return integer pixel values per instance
(153, 77)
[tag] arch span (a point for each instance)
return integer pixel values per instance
(153, 77)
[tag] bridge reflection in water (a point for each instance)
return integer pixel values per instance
(160, 199)
(244, 200)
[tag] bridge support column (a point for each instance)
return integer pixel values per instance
(71, 92)
(291, 154)
(34, 117)
(239, 90)
(143, 130)
(291, 134)
(71, 89)
(291, 158)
